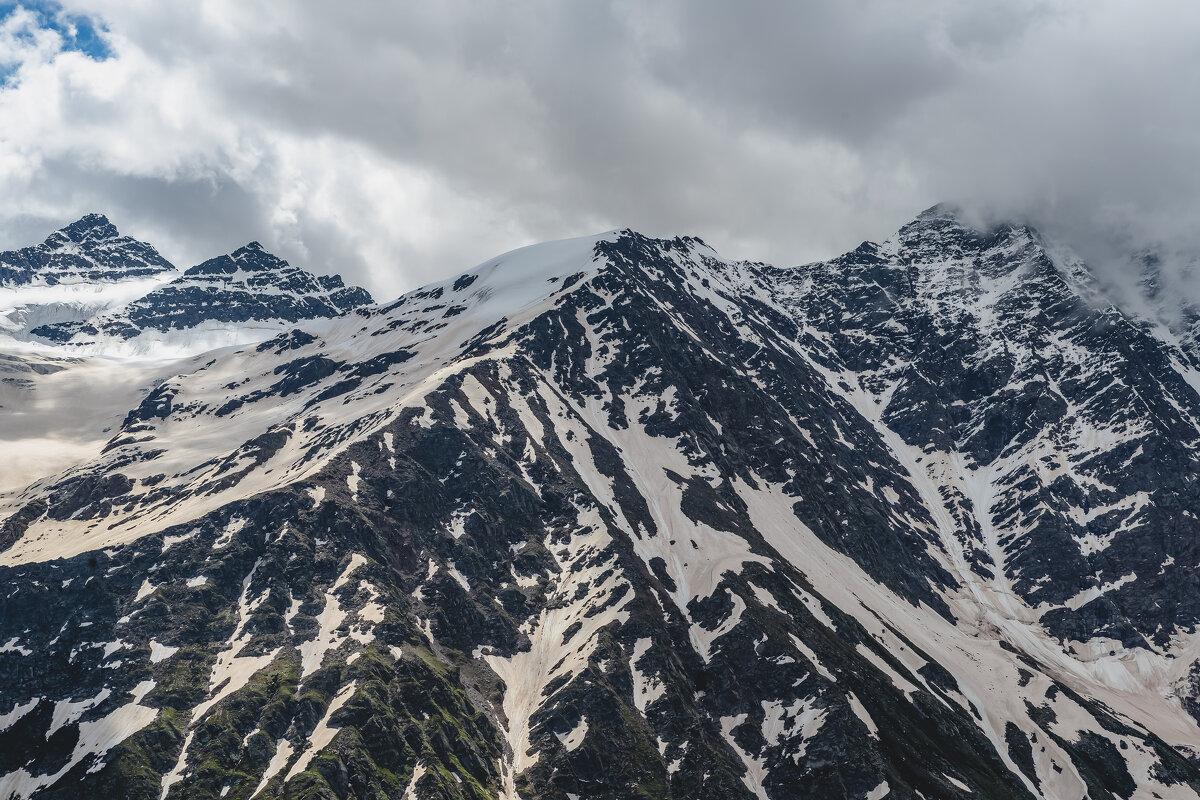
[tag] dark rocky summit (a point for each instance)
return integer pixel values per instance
(89, 249)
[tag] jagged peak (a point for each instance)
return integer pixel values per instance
(260, 267)
(951, 227)
(89, 227)
(252, 247)
(684, 242)
(972, 222)
(255, 257)
(946, 241)
(948, 212)
(948, 217)
(672, 243)
(629, 246)
(92, 220)
(252, 257)
(90, 249)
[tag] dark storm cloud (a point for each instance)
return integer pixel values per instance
(400, 143)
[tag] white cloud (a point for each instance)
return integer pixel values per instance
(398, 143)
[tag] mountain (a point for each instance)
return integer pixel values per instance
(82, 269)
(231, 299)
(88, 290)
(616, 517)
(1024, 404)
(89, 249)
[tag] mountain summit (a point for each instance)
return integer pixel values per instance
(89, 249)
(81, 270)
(616, 517)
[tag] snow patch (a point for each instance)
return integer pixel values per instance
(161, 652)
(879, 792)
(575, 737)
(646, 689)
(171, 541)
(317, 493)
(232, 528)
(66, 711)
(323, 734)
(279, 760)
(756, 771)
(18, 710)
(13, 645)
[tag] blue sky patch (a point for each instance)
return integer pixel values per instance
(79, 32)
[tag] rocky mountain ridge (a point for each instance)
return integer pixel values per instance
(80, 270)
(616, 517)
(89, 249)
(91, 291)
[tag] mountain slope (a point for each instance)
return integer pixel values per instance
(614, 517)
(1063, 432)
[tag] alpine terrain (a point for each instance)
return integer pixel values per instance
(610, 517)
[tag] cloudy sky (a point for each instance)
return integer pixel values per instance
(398, 143)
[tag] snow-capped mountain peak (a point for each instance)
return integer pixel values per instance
(80, 270)
(253, 257)
(89, 227)
(88, 250)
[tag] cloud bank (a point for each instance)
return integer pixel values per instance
(399, 143)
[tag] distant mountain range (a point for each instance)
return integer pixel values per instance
(91, 290)
(611, 517)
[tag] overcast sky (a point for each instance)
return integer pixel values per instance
(399, 143)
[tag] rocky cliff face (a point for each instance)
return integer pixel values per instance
(615, 517)
(1060, 433)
